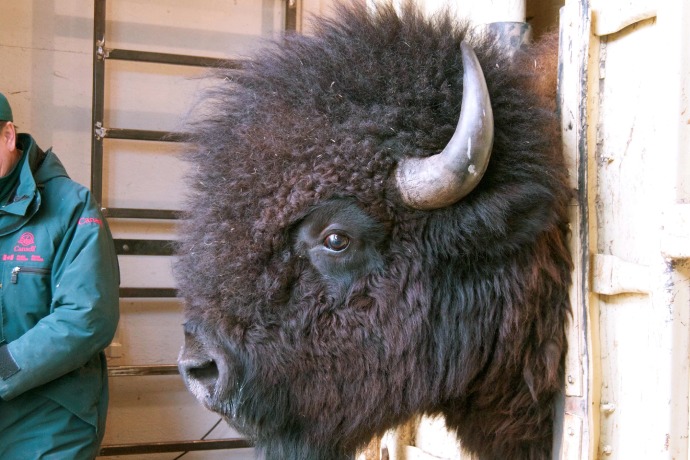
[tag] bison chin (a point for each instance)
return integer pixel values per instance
(226, 384)
(218, 378)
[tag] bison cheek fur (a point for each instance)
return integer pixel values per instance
(312, 345)
(356, 360)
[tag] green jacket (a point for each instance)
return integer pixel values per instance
(59, 283)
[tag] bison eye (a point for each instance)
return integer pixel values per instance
(336, 242)
(341, 241)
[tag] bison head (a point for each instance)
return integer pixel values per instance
(351, 257)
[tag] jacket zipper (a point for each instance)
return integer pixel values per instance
(35, 270)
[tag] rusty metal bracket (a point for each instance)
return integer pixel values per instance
(612, 16)
(612, 275)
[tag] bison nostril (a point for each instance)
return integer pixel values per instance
(200, 376)
(203, 369)
(206, 373)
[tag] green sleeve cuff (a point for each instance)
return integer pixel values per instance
(8, 366)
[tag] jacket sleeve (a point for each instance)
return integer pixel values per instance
(84, 310)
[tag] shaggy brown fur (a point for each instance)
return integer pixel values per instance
(458, 311)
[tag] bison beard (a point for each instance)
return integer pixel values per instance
(321, 309)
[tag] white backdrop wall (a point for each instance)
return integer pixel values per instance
(46, 55)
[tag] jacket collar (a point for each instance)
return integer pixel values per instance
(26, 189)
(27, 198)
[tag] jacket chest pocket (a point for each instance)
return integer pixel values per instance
(26, 298)
(26, 271)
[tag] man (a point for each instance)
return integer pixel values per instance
(59, 307)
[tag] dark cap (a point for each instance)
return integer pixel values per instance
(5, 109)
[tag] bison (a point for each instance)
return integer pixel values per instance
(353, 255)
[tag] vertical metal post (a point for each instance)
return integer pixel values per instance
(577, 425)
(290, 15)
(97, 101)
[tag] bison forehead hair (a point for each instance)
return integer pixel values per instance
(321, 308)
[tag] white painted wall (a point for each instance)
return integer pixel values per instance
(642, 176)
(46, 55)
(639, 151)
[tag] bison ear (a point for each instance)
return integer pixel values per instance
(443, 179)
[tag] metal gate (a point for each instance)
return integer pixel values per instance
(145, 247)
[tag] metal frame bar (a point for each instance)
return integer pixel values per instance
(148, 293)
(133, 247)
(141, 213)
(168, 58)
(102, 132)
(179, 446)
(97, 100)
(291, 15)
(129, 371)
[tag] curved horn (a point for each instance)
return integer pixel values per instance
(443, 179)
